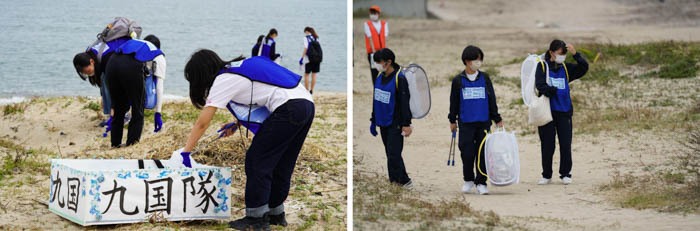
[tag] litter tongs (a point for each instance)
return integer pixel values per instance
(219, 133)
(451, 154)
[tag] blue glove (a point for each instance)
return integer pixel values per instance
(301, 61)
(373, 129)
(109, 127)
(227, 127)
(186, 159)
(157, 122)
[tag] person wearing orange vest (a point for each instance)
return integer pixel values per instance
(376, 32)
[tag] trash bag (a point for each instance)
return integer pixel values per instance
(502, 159)
(419, 88)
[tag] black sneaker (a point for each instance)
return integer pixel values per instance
(278, 220)
(251, 223)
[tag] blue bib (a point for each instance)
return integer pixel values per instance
(267, 46)
(143, 50)
(562, 101)
(263, 70)
(385, 100)
(110, 46)
(474, 103)
(258, 114)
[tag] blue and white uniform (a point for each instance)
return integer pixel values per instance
(272, 155)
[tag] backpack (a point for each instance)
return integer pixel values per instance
(315, 52)
(120, 27)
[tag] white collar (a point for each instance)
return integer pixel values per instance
(472, 77)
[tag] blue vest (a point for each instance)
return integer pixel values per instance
(143, 50)
(263, 70)
(267, 46)
(258, 114)
(309, 39)
(110, 46)
(562, 101)
(385, 100)
(474, 104)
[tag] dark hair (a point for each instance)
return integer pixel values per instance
(200, 71)
(373, 11)
(385, 54)
(82, 60)
(554, 46)
(153, 39)
(472, 53)
(272, 31)
(260, 38)
(311, 30)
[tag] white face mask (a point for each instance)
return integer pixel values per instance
(560, 58)
(380, 68)
(476, 65)
(374, 17)
(83, 76)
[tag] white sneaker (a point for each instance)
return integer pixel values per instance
(566, 180)
(481, 189)
(408, 185)
(467, 187)
(544, 181)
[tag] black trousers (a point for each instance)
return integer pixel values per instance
(393, 146)
(270, 160)
(374, 72)
(560, 126)
(126, 80)
(470, 137)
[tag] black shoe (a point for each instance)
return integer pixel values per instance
(278, 220)
(251, 223)
(311, 92)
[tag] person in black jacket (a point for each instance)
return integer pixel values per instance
(473, 106)
(392, 113)
(555, 85)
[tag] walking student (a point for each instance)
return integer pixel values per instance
(392, 113)
(552, 79)
(376, 32)
(472, 108)
(311, 62)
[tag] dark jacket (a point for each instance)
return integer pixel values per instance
(576, 71)
(456, 99)
(402, 108)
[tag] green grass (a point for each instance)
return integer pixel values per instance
(675, 59)
(18, 159)
(376, 200)
(12, 109)
(673, 188)
(92, 106)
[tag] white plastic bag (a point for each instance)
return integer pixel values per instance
(502, 158)
(539, 112)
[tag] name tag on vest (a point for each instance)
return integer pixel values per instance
(382, 96)
(473, 93)
(559, 83)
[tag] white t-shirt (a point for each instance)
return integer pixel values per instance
(233, 87)
(377, 26)
(160, 66)
(472, 77)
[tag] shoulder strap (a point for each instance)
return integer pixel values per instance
(566, 71)
(397, 77)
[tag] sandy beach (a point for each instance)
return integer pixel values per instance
(34, 131)
(507, 31)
